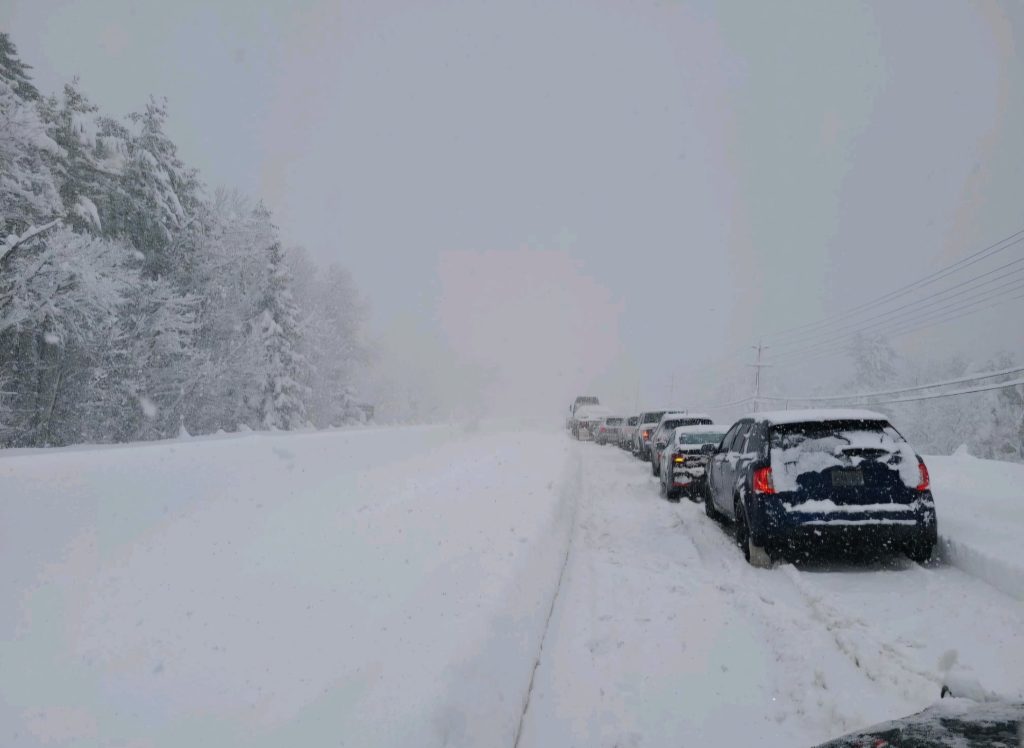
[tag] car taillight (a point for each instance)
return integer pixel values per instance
(925, 480)
(647, 435)
(763, 481)
(678, 458)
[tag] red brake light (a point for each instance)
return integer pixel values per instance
(925, 481)
(763, 481)
(647, 434)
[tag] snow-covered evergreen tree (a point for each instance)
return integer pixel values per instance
(133, 306)
(60, 295)
(28, 187)
(15, 71)
(157, 196)
(283, 402)
(332, 315)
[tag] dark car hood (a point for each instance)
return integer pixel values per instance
(950, 722)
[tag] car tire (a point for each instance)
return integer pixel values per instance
(654, 469)
(920, 552)
(756, 555)
(709, 504)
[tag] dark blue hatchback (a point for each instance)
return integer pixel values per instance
(833, 477)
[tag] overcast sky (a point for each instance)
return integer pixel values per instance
(557, 196)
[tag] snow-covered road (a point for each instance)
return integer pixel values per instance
(663, 635)
(442, 587)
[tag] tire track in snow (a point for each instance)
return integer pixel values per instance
(774, 599)
(574, 487)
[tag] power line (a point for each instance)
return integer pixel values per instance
(996, 386)
(928, 301)
(869, 395)
(982, 254)
(985, 388)
(899, 327)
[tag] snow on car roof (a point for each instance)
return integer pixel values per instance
(821, 414)
(702, 428)
(674, 415)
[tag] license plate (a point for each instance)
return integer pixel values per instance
(847, 478)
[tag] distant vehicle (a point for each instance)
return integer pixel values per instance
(580, 402)
(684, 460)
(646, 423)
(626, 431)
(587, 420)
(843, 477)
(955, 723)
(608, 430)
(666, 425)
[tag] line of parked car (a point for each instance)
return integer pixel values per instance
(784, 481)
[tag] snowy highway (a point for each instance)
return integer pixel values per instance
(663, 635)
(446, 586)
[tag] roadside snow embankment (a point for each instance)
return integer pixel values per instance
(980, 507)
(369, 587)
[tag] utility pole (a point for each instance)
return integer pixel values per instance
(757, 373)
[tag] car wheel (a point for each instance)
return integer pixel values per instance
(654, 468)
(756, 555)
(920, 552)
(672, 494)
(709, 503)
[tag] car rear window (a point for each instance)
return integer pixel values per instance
(796, 435)
(613, 421)
(632, 421)
(800, 448)
(705, 438)
(653, 417)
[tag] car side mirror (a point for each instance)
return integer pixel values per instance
(708, 449)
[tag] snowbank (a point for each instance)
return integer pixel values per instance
(366, 587)
(980, 507)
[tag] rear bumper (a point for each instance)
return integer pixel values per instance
(684, 477)
(898, 525)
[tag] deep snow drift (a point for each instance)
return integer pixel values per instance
(393, 587)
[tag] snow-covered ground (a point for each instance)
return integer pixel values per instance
(362, 588)
(421, 586)
(980, 504)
